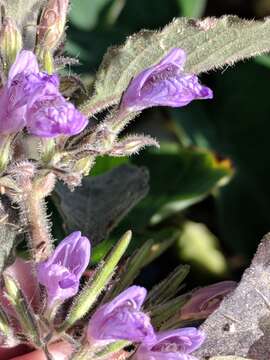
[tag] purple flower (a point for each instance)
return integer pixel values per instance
(122, 319)
(32, 98)
(52, 115)
(13, 98)
(61, 273)
(172, 345)
(164, 84)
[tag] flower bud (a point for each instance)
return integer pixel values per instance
(132, 145)
(10, 41)
(52, 23)
(206, 300)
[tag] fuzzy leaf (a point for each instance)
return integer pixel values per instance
(102, 201)
(8, 232)
(241, 325)
(25, 13)
(210, 43)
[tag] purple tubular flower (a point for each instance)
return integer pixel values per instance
(32, 98)
(61, 273)
(172, 345)
(164, 84)
(122, 319)
(13, 99)
(52, 115)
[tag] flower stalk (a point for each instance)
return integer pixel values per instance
(34, 217)
(23, 310)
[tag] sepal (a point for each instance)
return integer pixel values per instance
(132, 145)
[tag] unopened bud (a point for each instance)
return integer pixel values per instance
(52, 24)
(84, 165)
(132, 145)
(44, 185)
(206, 300)
(10, 41)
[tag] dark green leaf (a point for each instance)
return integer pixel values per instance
(192, 8)
(236, 125)
(8, 232)
(102, 201)
(189, 176)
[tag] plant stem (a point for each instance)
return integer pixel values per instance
(33, 212)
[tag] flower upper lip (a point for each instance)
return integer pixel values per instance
(164, 84)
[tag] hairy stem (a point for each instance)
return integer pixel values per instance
(33, 210)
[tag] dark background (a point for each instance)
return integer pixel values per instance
(235, 125)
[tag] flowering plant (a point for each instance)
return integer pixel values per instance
(57, 298)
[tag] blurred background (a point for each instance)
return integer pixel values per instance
(207, 144)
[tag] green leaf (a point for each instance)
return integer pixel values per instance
(131, 269)
(102, 201)
(84, 14)
(8, 232)
(189, 174)
(198, 246)
(165, 313)
(107, 163)
(210, 43)
(236, 124)
(192, 8)
(263, 60)
(168, 288)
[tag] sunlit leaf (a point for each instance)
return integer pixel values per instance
(198, 246)
(210, 43)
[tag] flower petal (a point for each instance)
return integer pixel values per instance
(26, 62)
(164, 84)
(61, 273)
(122, 319)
